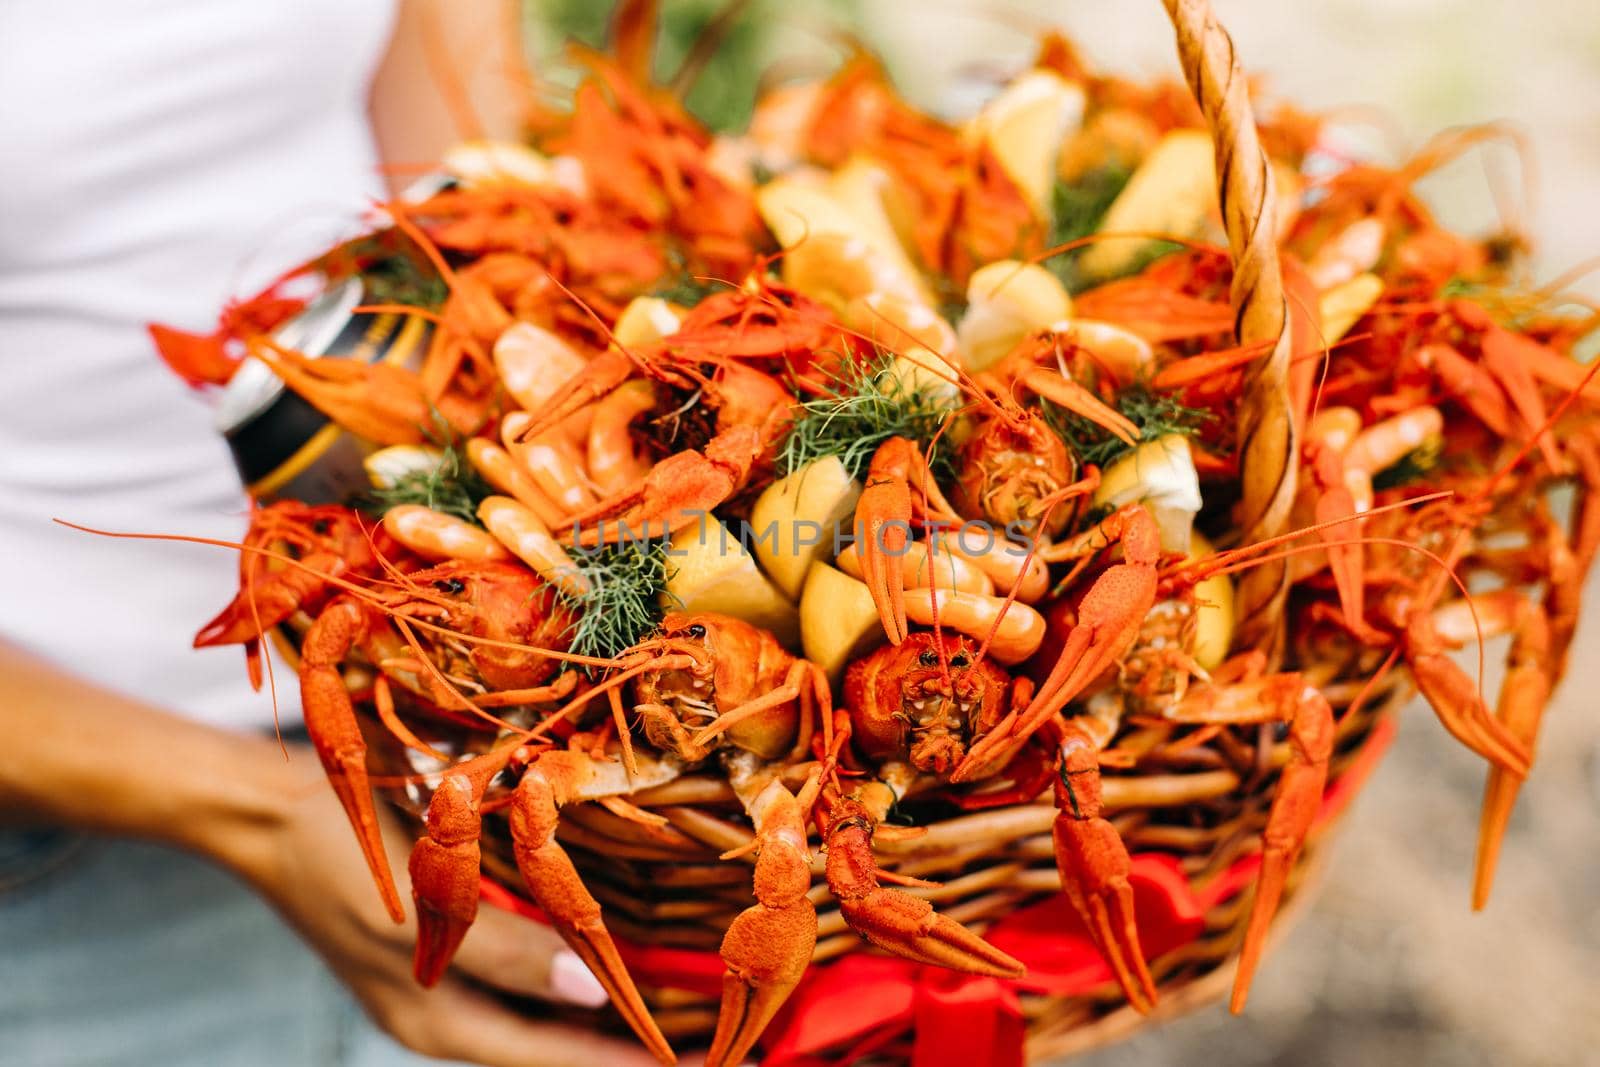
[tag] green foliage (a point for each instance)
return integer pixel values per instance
(624, 600)
(724, 91)
(684, 287)
(451, 487)
(1155, 414)
(573, 20)
(1414, 466)
(392, 268)
(867, 405)
(1077, 209)
(399, 279)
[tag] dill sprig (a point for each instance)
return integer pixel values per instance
(1155, 414)
(1077, 208)
(393, 270)
(686, 290)
(398, 279)
(624, 598)
(452, 487)
(867, 404)
(681, 286)
(1411, 467)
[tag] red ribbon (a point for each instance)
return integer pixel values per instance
(864, 1002)
(960, 1019)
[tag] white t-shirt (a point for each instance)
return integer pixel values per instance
(156, 158)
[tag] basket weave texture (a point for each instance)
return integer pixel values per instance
(1204, 806)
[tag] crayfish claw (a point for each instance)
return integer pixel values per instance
(894, 921)
(768, 946)
(556, 887)
(1523, 695)
(444, 877)
(909, 927)
(766, 950)
(592, 943)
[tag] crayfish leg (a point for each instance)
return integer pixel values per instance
(331, 722)
(1067, 393)
(1453, 695)
(1094, 867)
(1523, 695)
(1294, 809)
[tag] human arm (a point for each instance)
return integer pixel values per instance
(453, 71)
(72, 754)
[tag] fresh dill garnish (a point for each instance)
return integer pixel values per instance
(867, 404)
(393, 270)
(624, 598)
(761, 173)
(1411, 467)
(686, 290)
(681, 286)
(1077, 208)
(452, 487)
(1155, 414)
(398, 279)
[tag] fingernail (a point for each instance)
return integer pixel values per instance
(570, 981)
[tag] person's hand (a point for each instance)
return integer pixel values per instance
(306, 862)
(234, 799)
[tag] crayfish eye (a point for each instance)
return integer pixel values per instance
(928, 658)
(319, 527)
(697, 630)
(958, 660)
(450, 585)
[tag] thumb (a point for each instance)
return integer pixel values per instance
(518, 955)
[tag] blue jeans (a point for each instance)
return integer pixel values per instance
(119, 952)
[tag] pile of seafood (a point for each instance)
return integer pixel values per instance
(869, 468)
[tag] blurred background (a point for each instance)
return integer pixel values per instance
(1390, 965)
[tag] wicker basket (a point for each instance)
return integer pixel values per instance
(1205, 805)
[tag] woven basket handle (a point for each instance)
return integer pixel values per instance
(1268, 450)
